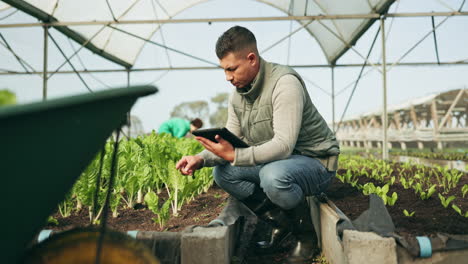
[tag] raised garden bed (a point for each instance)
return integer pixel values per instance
(419, 208)
(429, 215)
(201, 211)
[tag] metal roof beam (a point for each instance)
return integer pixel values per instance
(37, 13)
(411, 64)
(231, 19)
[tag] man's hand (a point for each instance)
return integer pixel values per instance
(188, 164)
(223, 148)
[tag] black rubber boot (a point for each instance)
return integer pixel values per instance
(281, 230)
(306, 247)
(261, 205)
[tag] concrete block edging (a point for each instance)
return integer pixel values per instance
(367, 247)
(211, 244)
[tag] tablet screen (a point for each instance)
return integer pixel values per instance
(210, 134)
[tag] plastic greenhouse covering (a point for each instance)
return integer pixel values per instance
(334, 36)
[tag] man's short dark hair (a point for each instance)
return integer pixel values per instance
(197, 122)
(235, 39)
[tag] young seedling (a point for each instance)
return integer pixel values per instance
(52, 221)
(417, 188)
(340, 177)
(408, 214)
(464, 190)
(392, 200)
(457, 209)
(446, 201)
(162, 213)
(429, 193)
(404, 183)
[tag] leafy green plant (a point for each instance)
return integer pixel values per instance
(418, 188)
(162, 213)
(370, 188)
(408, 214)
(426, 195)
(392, 180)
(52, 221)
(446, 201)
(116, 198)
(65, 208)
(406, 184)
(457, 209)
(85, 187)
(464, 190)
(144, 164)
(449, 179)
(392, 200)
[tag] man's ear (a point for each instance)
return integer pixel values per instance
(252, 57)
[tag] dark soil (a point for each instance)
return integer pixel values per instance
(200, 211)
(429, 218)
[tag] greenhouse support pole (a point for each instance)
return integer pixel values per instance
(128, 114)
(384, 82)
(44, 74)
(333, 96)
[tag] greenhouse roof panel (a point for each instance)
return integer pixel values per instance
(334, 36)
(3, 6)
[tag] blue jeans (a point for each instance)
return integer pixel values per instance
(285, 182)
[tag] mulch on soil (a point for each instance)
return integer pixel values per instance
(429, 218)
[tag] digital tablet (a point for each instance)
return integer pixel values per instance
(210, 134)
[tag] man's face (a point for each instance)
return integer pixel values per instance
(240, 68)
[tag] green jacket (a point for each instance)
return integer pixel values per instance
(177, 127)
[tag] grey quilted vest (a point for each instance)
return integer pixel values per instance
(254, 110)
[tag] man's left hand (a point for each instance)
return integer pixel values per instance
(223, 148)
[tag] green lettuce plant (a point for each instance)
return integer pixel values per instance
(464, 190)
(408, 214)
(446, 201)
(161, 212)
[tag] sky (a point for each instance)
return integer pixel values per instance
(198, 39)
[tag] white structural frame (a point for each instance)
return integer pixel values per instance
(46, 74)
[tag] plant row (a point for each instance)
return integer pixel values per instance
(446, 154)
(146, 169)
(426, 182)
(463, 156)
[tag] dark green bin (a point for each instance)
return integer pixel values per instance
(44, 147)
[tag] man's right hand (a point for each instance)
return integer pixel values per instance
(188, 164)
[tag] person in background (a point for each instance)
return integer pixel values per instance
(292, 154)
(179, 127)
